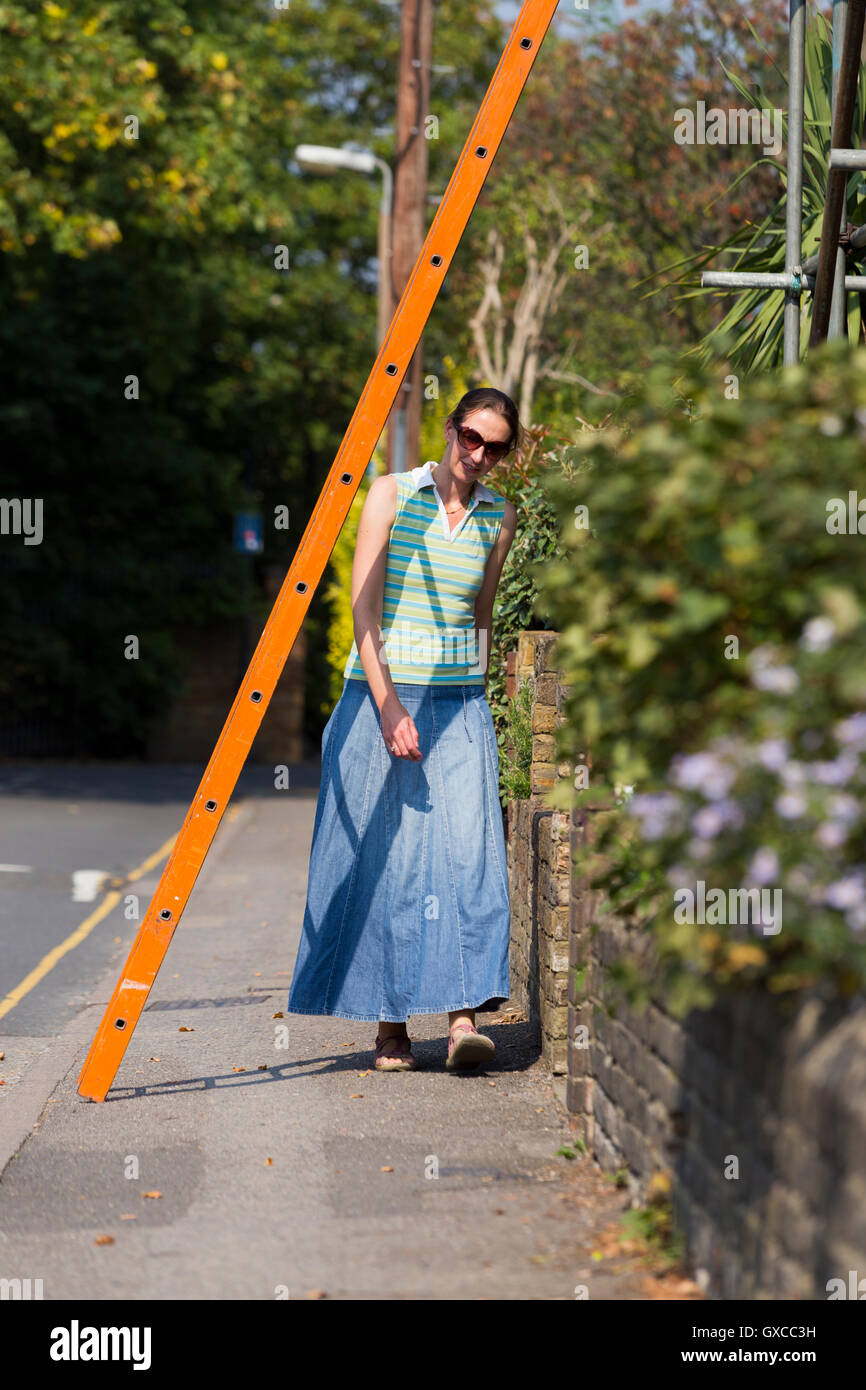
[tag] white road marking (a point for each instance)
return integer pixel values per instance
(86, 884)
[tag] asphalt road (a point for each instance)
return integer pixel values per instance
(69, 833)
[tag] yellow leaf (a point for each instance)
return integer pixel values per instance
(104, 1240)
(744, 953)
(151, 1194)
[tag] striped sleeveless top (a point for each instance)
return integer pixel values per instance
(431, 582)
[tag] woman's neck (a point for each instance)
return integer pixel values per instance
(447, 487)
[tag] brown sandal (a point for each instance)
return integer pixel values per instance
(401, 1060)
(468, 1050)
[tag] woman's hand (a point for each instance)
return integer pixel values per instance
(398, 730)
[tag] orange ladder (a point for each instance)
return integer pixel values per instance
(284, 623)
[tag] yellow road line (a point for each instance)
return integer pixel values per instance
(162, 853)
(109, 901)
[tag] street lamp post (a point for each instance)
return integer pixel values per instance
(323, 159)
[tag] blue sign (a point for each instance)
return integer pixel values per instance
(249, 536)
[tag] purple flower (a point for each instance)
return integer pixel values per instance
(703, 772)
(844, 807)
(655, 810)
(778, 680)
(846, 892)
(836, 774)
(852, 730)
(817, 634)
(709, 820)
(764, 867)
(773, 753)
(831, 834)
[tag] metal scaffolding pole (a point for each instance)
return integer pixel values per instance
(823, 273)
(828, 314)
(794, 190)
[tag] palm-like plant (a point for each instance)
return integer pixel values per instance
(750, 335)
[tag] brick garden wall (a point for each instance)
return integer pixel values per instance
(777, 1097)
(539, 863)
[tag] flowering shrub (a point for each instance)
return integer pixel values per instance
(713, 638)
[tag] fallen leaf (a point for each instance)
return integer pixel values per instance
(129, 1216)
(154, 1059)
(104, 1240)
(277, 1015)
(365, 1073)
(356, 1095)
(386, 1169)
(238, 1068)
(2, 1055)
(316, 1293)
(263, 1067)
(268, 1162)
(151, 1194)
(183, 1029)
(257, 974)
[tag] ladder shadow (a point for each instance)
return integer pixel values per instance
(517, 1049)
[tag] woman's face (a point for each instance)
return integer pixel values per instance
(468, 464)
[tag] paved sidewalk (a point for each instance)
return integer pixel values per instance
(297, 1169)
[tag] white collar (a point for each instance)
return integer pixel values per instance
(422, 476)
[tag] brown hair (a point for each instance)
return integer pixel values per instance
(488, 398)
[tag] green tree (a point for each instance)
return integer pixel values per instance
(146, 200)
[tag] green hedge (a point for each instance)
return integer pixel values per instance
(713, 637)
(516, 608)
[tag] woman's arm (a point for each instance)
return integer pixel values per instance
(368, 589)
(368, 582)
(489, 584)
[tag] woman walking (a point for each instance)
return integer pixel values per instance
(407, 898)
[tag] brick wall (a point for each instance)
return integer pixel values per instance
(539, 863)
(772, 1092)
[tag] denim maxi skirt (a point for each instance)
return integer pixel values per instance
(408, 908)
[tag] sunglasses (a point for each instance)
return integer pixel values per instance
(494, 449)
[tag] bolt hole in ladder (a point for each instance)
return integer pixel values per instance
(365, 427)
(823, 273)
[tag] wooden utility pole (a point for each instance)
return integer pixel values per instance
(409, 224)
